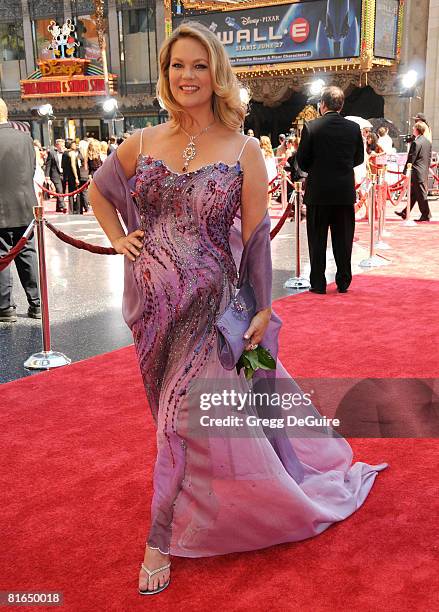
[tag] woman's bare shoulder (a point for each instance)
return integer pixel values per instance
(128, 152)
(251, 151)
(153, 134)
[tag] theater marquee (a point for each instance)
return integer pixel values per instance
(279, 36)
(65, 77)
(65, 74)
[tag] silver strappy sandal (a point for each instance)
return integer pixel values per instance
(152, 573)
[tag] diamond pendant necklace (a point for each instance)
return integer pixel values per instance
(190, 151)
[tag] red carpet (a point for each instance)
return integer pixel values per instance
(384, 326)
(78, 447)
(414, 252)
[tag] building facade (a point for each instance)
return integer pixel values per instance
(134, 31)
(368, 70)
(431, 104)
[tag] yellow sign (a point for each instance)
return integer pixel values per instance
(66, 68)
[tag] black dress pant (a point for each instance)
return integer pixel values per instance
(71, 186)
(59, 188)
(419, 194)
(341, 221)
(82, 197)
(26, 264)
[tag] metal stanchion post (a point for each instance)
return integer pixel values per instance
(385, 231)
(381, 244)
(409, 222)
(297, 282)
(46, 359)
(372, 261)
(283, 191)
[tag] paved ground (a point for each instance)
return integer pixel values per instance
(85, 292)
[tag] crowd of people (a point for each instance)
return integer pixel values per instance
(370, 151)
(68, 166)
(283, 156)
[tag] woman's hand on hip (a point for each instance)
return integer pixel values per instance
(257, 328)
(129, 245)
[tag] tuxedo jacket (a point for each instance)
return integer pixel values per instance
(17, 169)
(330, 147)
(53, 169)
(419, 156)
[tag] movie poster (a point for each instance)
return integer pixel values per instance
(301, 31)
(386, 28)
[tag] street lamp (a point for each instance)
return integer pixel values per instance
(45, 110)
(110, 109)
(315, 91)
(109, 106)
(408, 82)
(409, 79)
(315, 88)
(244, 95)
(43, 113)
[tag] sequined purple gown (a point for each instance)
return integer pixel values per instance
(216, 495)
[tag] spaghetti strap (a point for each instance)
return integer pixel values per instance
(243, 146)
(141, 141)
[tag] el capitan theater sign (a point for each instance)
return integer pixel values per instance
(65, 77)
(65, 74)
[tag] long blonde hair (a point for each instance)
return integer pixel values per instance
(103, 145)
(94, 149)
(83, 148)
(227, 105)
(266, 147)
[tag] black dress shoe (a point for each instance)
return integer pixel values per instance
(320, 291)
(401, 214)
(422, 219)
(342, 289)
(34, 312)
(8, 315)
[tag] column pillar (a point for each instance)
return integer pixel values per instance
(113, 35)
(160, 22)
(432, 73)
(67, 9)
(27, 35)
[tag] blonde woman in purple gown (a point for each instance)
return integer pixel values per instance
(199, 203)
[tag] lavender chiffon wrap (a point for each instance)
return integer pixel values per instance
(248, 488)
(111, 181)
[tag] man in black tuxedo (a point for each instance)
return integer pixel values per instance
(330, 148)
(70, 167)
(54, 172)
(419, 156)
(17, 199)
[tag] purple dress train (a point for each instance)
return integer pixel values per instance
(213, 494)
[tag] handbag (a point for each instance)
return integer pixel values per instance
(232, 325)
